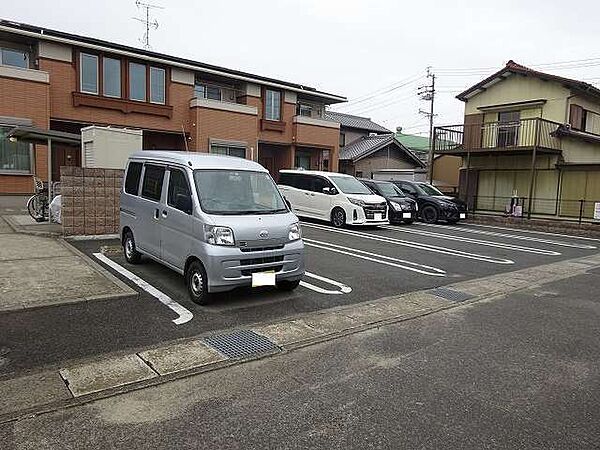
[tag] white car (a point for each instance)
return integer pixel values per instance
(334, 197)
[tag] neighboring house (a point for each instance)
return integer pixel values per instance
(528, 134)
(445, 169)
(52, 84)
(370, 150)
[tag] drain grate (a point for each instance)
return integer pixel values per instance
(450, 294)
(240, 344)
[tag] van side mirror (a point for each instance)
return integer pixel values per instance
(183, 203)
(329, 190)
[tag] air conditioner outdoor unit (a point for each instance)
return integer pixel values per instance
(107, 147)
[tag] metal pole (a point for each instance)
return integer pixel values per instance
(49, 144)
(431, 136)
(467, 178)
(532, 178)
(580, 210)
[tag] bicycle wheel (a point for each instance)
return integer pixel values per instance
(37, 206)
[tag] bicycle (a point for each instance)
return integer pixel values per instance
(37, 205)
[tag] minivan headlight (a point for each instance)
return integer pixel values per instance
(217, 235)
(356, 201)
(396, 206)
(295, 232)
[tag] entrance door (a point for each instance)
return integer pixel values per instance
(63, 155)
(267, 163)
(302, 160)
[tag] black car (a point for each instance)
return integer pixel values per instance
(402, 208)
(433, 205)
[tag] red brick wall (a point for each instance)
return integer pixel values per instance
(63, 82)
(29, 100)
(217, 124)
(90, 200)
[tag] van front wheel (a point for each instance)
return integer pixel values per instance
(131, 254)
(197, 283)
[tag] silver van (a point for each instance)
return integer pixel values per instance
(220, 221)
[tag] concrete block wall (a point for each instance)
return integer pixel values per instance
(90, 200)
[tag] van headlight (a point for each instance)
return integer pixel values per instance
(295, 232)
(356, 201)
(217, 235)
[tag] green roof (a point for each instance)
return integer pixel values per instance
(414, 142)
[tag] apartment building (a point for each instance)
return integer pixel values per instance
(530, 138)
(52, 84)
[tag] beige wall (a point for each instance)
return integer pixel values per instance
(446, 169)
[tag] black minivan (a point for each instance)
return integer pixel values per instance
(433, 205)
(402, 208)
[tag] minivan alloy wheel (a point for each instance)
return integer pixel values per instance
(338, 218)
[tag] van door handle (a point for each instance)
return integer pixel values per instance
(156, 214)
(164, 213)
(312, 195)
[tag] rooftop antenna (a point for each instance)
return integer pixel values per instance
(149, 23)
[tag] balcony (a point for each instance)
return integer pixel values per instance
(19, 73)
(520, 136)
(316, 132)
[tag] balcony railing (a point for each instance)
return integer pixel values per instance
(520, 134)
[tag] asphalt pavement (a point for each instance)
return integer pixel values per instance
(520, 371)
(372, 262)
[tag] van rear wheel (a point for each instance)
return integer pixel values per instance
(131, 254)
(197, 283)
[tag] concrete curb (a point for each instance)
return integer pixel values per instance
(19, 229)
(289, 334)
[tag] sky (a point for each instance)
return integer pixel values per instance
(374, 52)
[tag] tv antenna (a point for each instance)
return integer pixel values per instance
(147, 21)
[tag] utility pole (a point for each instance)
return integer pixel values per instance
(147, 21)
(427, 93)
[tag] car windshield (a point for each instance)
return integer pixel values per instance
(350, 185)
(429, 189)
(390, 190)
(231, 192)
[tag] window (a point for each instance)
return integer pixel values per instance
(302, 160)
(405, 187)
(240, 152)
(318, 183)
(508, 128)
(157, 85)
(111, 77)
(304, 110)
(137, 82)
(14, 156)
(272, 105)
(342, 139)
(179, 196)
(210, 92)
(359, 174)
(88, 73)
(132, 180)
(14, 57)
(153, 181)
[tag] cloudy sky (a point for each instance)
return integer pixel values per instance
(375, 52)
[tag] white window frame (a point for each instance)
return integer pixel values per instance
(164, 85)
(130, 78)
(272, 105)
(120, 77)
(15, 49)
(81, 55)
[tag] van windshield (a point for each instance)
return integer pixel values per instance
(350, 185)
(232, 192)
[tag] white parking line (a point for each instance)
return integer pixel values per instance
(426, 247)
(344, 289)
(514, 236)
(450, 237)
(529, 231)
(184, 314)
(377, 258)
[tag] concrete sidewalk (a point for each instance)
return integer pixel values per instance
(40, 271)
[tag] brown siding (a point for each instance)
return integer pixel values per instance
(472, 136)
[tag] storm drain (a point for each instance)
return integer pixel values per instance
(450, 294)
(241, 344)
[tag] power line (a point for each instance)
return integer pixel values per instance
(381, 91)
(381, 105)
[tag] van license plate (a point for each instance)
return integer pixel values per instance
(406, 215)
(378, 216)
(263, 279)
(463, 215)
